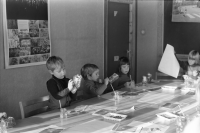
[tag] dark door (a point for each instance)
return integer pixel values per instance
(118, 34)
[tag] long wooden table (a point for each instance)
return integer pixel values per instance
(147, 105)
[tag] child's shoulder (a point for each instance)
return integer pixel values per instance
(87, 82)
(50, 80)
(56, 80)
(124, 75)
(90, 83)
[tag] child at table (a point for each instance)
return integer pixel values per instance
(61, 89)
(193, 64)
(124, 79)
(191, 67)
(92, 87)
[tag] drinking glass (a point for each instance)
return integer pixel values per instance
(181, 122)
(63, 112)
(198, 111)
(116, 95)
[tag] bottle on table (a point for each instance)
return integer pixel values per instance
(144, 80)
(3, 127)
(149, 77)
(63, 113)
(197, 93)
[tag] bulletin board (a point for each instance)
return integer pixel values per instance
(26, 32)
(184, 36)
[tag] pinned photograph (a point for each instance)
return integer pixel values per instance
(43, 24)
(33, 24)
(14, 61)
(24, 51)
(13, 43)
(34, 32)
(44, 57)
(12, 24)
(13, 34)
(24, 60)
(35, 58)
(25, 42)
(43, 41)
(44, 33)
(14, 52)
(35, 42)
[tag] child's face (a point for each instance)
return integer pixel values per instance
(59, 72)
(193, 60)
(94, 76)
(125, 68)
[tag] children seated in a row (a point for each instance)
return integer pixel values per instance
(61, 89)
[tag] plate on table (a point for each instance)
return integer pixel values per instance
(114, 116)
(130, 94)
(188, 89)
(119, 92)
(169, 106)
(72, 112)
(167, 116)
(101, 112)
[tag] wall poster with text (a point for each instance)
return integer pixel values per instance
(26, 32)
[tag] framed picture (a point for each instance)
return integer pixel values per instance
(26, 32)
(186, 11)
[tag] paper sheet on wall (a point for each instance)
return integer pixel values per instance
(169, 64)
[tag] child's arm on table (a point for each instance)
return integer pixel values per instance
(102, 87)
(130, 84)
(116, 85)
(99, 88)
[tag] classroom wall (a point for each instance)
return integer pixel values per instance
(76, 36)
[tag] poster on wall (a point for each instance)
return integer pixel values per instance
(186, 11)
(26, 32)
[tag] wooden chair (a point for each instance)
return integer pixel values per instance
(33, 107)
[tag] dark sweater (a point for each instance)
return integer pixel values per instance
(119, 83)
(92, 89)
(58, 90)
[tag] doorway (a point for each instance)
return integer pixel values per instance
(117, 35)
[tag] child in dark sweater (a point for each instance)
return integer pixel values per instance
(123, 71)
(61, 89)
(91, 86)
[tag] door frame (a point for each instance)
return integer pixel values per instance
(132, 42)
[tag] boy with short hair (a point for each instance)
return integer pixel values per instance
(92, 87)
(59, 87)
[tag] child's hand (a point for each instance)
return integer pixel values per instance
(106, 81)
(70, 84)
(74, 89)
(132, 84)
(100, 81)
(127, 84)
(195, 73)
